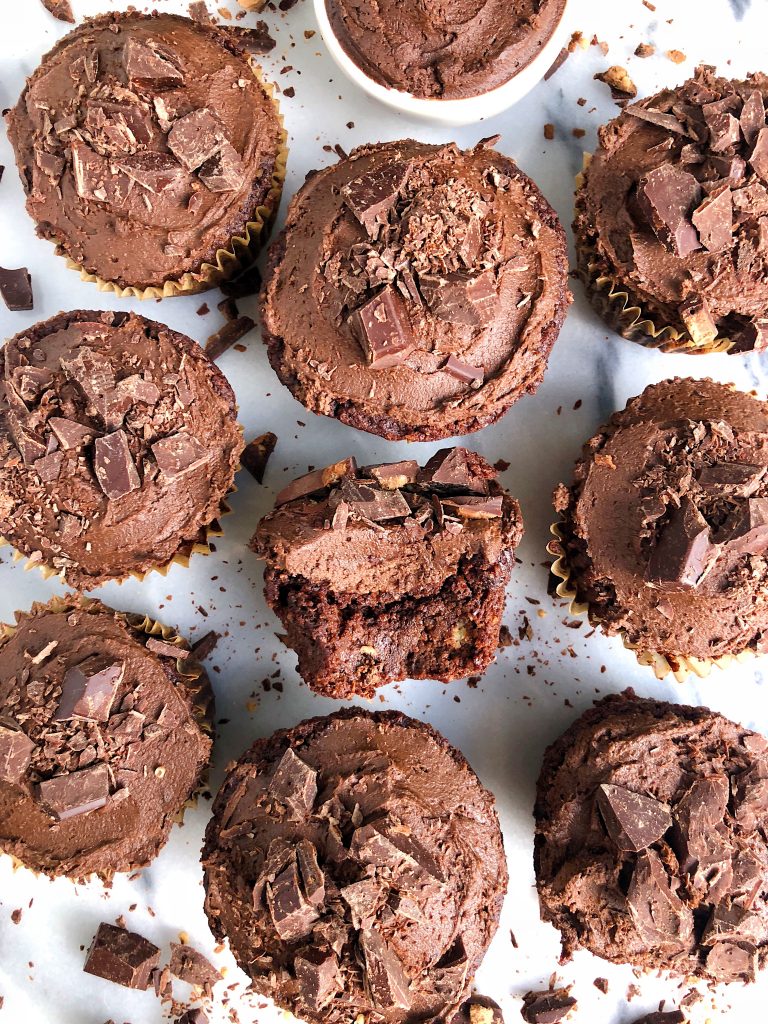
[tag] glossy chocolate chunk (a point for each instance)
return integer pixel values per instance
(371, 196)
(16, 750)
(153, 171)
(89, 689)
(393, 475)
(684, 550)
(69, 433)
(378, 506)
(461, 298)
(385, 978)
(80, 792)
(122, 957)
(293, 915)
(547, 1007)
(114, 466)
(317, 974)
(224, 171)
(187, 964)
(746, 529)
(737, 479)
(634, 821)
(294, 783)
(257, 453)
(732, 961)
(16, 288)
(713, 220)
(195, 138)
(146, 67)
(317, 480)
(667, 196)
(383, 329)
(178, 454)
(456, 468)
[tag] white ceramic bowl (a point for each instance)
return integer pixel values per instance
(461, 111)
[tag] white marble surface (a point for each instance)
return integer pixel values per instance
(536, 688)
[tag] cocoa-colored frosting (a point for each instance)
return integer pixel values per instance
(391, 529)
(118, 444)
(416, 290)
(439, 50)
(144, 144)
(662, 526)
(356, 866)
(673, 208)
(103, 739)
(650, 848)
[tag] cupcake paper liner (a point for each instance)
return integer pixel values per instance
(622, 310)
(242, 250)
(662, 664)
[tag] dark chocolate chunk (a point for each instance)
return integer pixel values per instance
(684, 551)
(666, 196)
(188, 965)
(203, 647)
(363, 899)
(478, 1010)
(49, 467)
(317, 973)
(633, 821)
(733, 479)
(457, 468)
(461, 298)
(751, 796)
(178, 453)
(753, 336)
(464, 371)
(60, 9)
(383, 329)
(732, 924)
(752, 117)
(386, 847)
(759, 156)
(294, 784)
(88, 690)
(226, 336)
(316, 481)
(195, 138)
(66, 796)
(224, 171)
(745, 531)
(660, 1017)
(312, 877)
(16, 288)
(69, 433)
(732, 961)
(724, 131)
(373, 195)
(146, 68)
(379, 505)
(167, 649)
(386, 982)
(697, 317)
(474, 507)
(195, 1015)
(122, 957)
(292, 914)
(659, 915)
(114, 466)
(16, 750)
(393, 475)
(668, 121)
(199, 12)
(255, 39)
(713, 220)
(547, 1007)
(257, 453)
(153, 171)
(246, 283)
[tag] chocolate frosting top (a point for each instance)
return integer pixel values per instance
(356, 866)
(649, 843)
(439, 50)
(103, 739)
(662, 525)
(416, 290)
(674, 206)
(391, 528)
(118, 444)
(144, 144)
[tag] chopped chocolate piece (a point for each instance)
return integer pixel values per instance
(696, 315)
(752, 336)
(751, 797)
(458, 468)
(383, 329)
(178, 453)
(122, 957)
(153, 171)
(167, 649)
(464, 371)
(317, 972)
(224, 171)
(732, 479)
(255, 39)
(69, 433)
(745, 531)
(195, 138)
(15, 754)
(633, 821)
(49, 467)
(363, 899)
(666, 196)
(547, 1007)
(292, 915)
(393, 475)
(294, 784)
(723, 131)
(199, 12)
(312, 877)
(478, 1010)
(668, 121)
(732, 961)
(195, 1015)
(759, 157)
(659, 915)
(66, 796)
(114, 466)
(317, 480)
(16, 288)
(203, 647)
(684, 551)
(713, 220)
(88, 690)
(256, 455)
(226, 336)
(188, 965)
(146, 68)
(670, 1017)
(752, 117)
(385, 846)
(60, 9)
(385, 979)
(372, 196)
(379, 506)
(732, 924)
(246, 283)
(461, 298)
(474, 507)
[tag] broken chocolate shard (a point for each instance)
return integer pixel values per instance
(178, 454)
(188, 965)
(732, 961)
(194, 1015)
(666, 196)
(379, 506)
(713, 220)
(394, 475)
(732, 924)
(312, 877)
(16, 749)
(461, 298)
(67, 796)
(633, 821)
(684, 551)
(294, 784)
(167, 649)
(658, 117)
(205, 646)
(316, 481)
(60, 9)
(547, 1007)
(224, 171)
(255, 39)
(659, 915)
(16, 288)
(317, 974)
(114, 466)
(256, 455)
(292, 914)
(146, 68)
(474, 507)
(383, 329)
(122, 957)
(69, 433)
(752, 117)
(465, 372)
(153, 171)
(226, 336)
(88, 690)
(751, 797)
(49, 467)
(458, 468)
(386, 847)
(372, 196)
(477, 1009)
(697, 317)
(195, 138)
(745, 531)
(363, 899)
(731, 479)
(724, 132)
(386, 982)
(759, 156)
(662, 1017)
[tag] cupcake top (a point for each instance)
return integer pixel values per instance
(416, 290)
(118, 444)
(392, 527)
(672, 207)
(438, 50)
(356, 866)
(649, 844)
(103, 738)
(144, 144)
(666, 525)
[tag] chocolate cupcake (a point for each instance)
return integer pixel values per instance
(443, 51)
(663, 534)
(649, 844)
(150, 151)
(416, 290)
(118, 445)
(104, 736)
(668, 226)
(356, 866)
(390, 572)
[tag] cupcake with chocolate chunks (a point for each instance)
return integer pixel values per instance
(356, 866)
(150, 152)
(416, 291)
(664, 531)
(669, 228)
(650, 848)
(104, 736)
(118, 445)
(390, 571)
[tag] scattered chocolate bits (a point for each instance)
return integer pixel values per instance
(226, 336)
(547, 1007)
(633, 821)
(16, 288)
(122, 957)
(257, 453)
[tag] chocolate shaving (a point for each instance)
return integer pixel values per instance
(16, 288)
(114, 466)
(256, 455)
(684, 552)
(383, 329)
(464, 372)
(226, 336)
(67, 796)
(122, 957)
(633, 821)
(88, 690)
